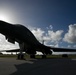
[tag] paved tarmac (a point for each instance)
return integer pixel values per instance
(11, 66)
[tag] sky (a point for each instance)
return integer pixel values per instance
(53, 21)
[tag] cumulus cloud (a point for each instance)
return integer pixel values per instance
(49, 36)
(70, 36)
(50, 27)
(4, 45)
(54, 45)
(74, 46)
(69, 46)
(38, 33)
(55, 36)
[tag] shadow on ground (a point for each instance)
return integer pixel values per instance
(47, 67)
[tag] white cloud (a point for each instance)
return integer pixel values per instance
(57, 45)
(54, 45)
(69, 46)
(74, 46)
(51, 36)
(70, 36)
(4, 45)
(55, 36)
(39, 33)
(50, 27)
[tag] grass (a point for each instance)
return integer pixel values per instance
(8, 56)
(38, 56)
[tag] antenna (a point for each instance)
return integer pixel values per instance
(43, 42)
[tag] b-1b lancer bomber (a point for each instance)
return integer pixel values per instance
(26, 40)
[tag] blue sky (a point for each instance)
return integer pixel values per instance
(51, 20)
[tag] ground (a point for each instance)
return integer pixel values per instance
(52, 66)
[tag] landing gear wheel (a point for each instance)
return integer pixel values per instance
(32, 56)
(21, 56)
(43, 56)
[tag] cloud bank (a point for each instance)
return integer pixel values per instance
(70, 36)
(4, 45)
(49, 36)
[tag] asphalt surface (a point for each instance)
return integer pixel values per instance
(11, 66)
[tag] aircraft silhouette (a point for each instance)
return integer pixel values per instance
(27, 41)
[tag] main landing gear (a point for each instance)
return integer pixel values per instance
(43, 56)
(32, 56)
(21, 55)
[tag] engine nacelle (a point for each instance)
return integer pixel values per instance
(33, 52)
(10, 40)
(47, 51)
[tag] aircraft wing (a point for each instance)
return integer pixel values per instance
(53, 48)
(63, 49)
(14, 50)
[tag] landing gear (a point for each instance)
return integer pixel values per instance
(65, 56)
(21, 55)
(43, 56)
(32, 56)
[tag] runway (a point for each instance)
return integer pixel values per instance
(11, 66)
